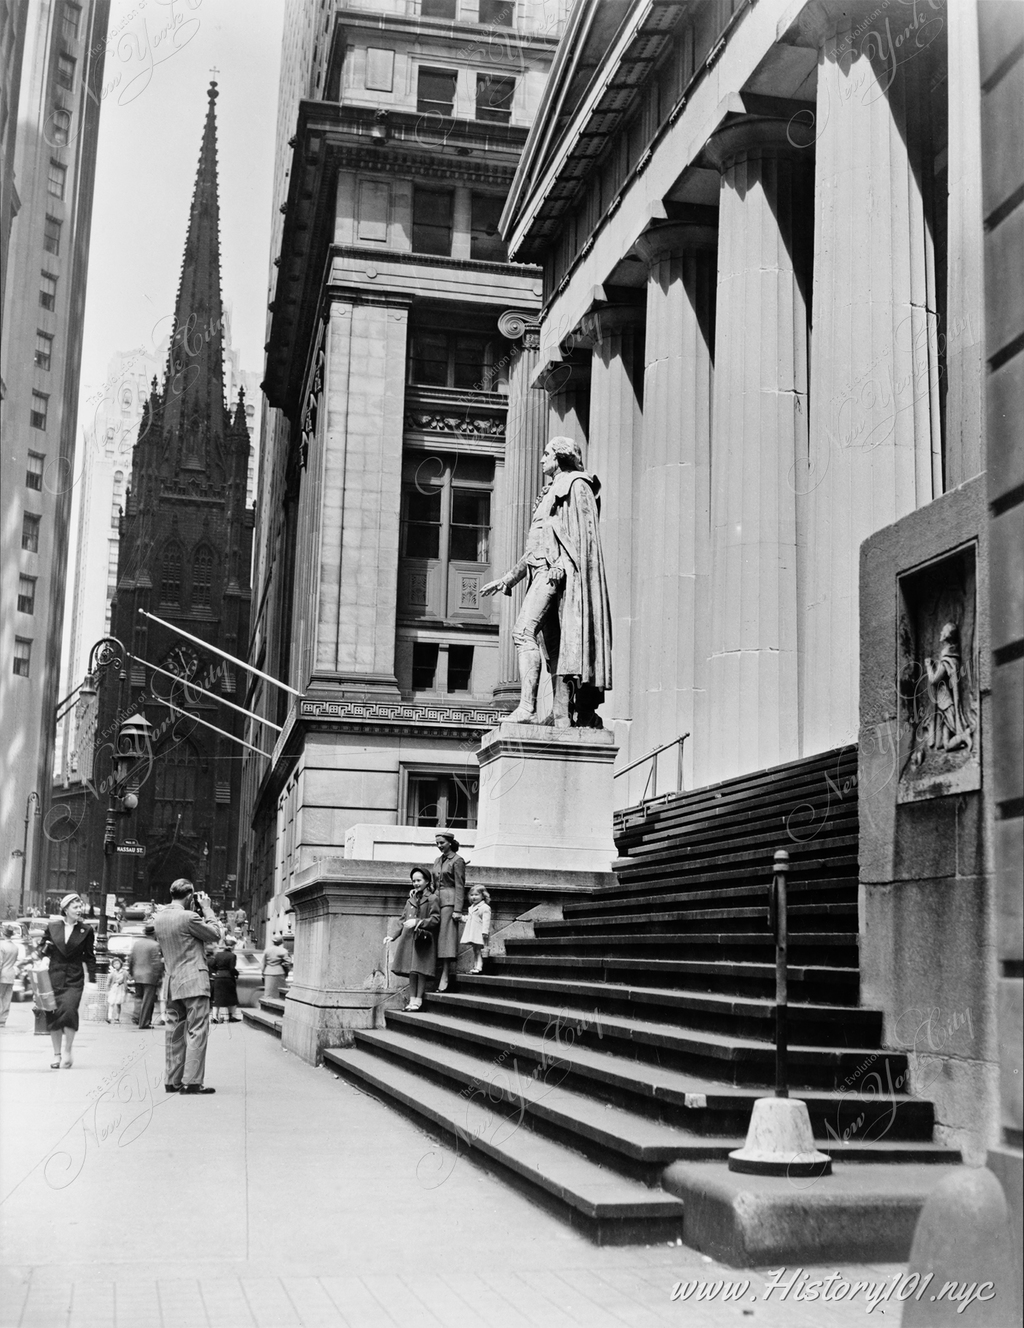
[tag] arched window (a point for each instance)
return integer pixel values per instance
(170, 575)
(202, 576)
(174, 788)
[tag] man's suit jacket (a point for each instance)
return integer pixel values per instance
(145, 963)
(182, 936)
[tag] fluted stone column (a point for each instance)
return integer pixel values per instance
(759, 439)
(672, 552)
(874, 430)
(525, 437)
(965, 307)
(616, 421)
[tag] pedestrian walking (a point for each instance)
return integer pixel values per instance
(68, 946)
(182, 930)
(414, 952)
(449, 872)
(9, 957)
(146, 967)
(224, 975)
(276, 963)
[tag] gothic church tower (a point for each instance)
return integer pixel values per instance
(185, 550)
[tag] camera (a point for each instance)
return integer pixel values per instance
(195, 901)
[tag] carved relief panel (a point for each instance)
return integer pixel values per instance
(940, 716)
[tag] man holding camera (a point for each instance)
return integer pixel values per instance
(183, 935)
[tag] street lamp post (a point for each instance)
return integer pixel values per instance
(130, 747)
(33, 797)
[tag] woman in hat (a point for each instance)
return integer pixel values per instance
(224, 976)
(68, 945)
(450, 879)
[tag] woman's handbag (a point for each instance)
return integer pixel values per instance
(42, 990)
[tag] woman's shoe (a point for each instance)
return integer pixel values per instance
(55, 1065)
(443, 985)
(66, 1065)
(413, 1006)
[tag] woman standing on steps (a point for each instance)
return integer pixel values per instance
(449, 872)
(415, 951)
(68, 945)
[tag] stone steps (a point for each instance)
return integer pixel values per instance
(625, 1045)
(836, 1024)
(611, 1208)
(269, 1023)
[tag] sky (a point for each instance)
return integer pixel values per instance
(158, 66)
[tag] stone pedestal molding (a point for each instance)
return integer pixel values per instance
(874, 429)
(759, 443)
(545, 798)
(616, 426)
(525, 437)
(672, 554)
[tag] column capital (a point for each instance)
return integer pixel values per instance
(760, 136)
(672, 238)
(516, 323)
(613, 320)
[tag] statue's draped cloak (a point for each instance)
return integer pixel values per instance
(583, 650)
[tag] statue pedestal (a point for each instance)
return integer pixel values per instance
(545, 798)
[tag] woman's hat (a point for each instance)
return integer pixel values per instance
(230, 940)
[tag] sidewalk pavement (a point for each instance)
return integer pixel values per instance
(291, 1199)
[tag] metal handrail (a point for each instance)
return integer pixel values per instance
(652, 756)
(778, 922)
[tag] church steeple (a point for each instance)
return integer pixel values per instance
(194, 413)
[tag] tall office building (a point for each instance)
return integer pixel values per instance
(57, 121)
(382, 494)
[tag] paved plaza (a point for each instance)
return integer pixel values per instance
(291, 1198)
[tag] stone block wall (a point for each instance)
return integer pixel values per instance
(928, 917)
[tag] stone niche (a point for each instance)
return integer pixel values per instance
(927, 887)
(939, 712)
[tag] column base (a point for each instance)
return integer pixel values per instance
(545, 798)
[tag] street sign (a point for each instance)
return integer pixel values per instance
(132, 847)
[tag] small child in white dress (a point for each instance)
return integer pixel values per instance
(478, 925)
(116, 989)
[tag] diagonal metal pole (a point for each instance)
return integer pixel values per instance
(212, 695)
(206, 724)
(198, 640)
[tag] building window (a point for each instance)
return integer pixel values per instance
(424, 665)
(47, 290)
(202, 577)
(51, 235)
(55, 180)
(26, 594)
(170, 575)
(37, 415)
(34, 471)
(30, 532)
(444, 545)
(499, 13)
(494, 93)
(22, 656)
(435, 91)
(432, 221)
(486, 243)
(460, 668)
(72, 20)
(44, 349)
(439, 9)
(66, 72)
(60, 128)
(451, 359)
(174, 792)
(442, 798)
